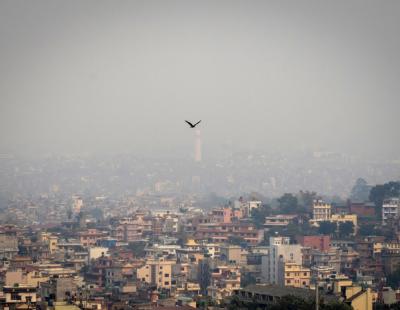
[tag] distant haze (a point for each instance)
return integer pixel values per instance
(122, 76)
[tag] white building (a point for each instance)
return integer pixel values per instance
(77, 204)
(321, 212)
(280, 250)
(390, 210)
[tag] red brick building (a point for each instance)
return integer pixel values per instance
(362, 209)
(321, 243)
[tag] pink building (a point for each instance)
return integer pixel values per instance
(226, 215)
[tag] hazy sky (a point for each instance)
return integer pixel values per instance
(123, 75)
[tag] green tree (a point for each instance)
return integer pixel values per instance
(360, 191)
(380, 192)
(258, 215)
(393, 279)
(369, 230)
(327, 228)
(346, 229)
(306, 200)
(288, 204)
(288, 302)
(291, 302)
(335, 306)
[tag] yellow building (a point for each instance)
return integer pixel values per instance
(53, 244)
(358, 298)
(50, 240)
(342, 218)
(20, 277)
(293, 274)
(355, 296)
(156, 272)
(378, 246)
(340, 282)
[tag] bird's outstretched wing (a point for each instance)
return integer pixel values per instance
(190, 124)
(197, 123)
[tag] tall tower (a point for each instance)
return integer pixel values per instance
(197, 146)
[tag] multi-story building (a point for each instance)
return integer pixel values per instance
(226, 215)
(170, 224)
(156, 272)
(24, 277)
(321, 212)
(8, 242)
(369, 250)
(390, 210)
(390, 259)
(221, 232)
(225, 279)
(330, 258)
(90, 237)
(233, 254)
(130, 229)
(348, 261)
(58, 288)
(19, 297)
(293, 274)
(77, 204)
(280, 250)
(362, 209)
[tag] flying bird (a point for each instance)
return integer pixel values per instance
(191, 125)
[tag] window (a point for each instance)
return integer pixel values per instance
(166, 283)
(166, 275)
(15, 296)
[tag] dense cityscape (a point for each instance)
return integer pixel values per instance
(126, 233)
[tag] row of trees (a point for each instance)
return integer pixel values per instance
(343, 230)
(286, 204)
(288, 302)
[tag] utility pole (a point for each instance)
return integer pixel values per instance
(316, 289)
